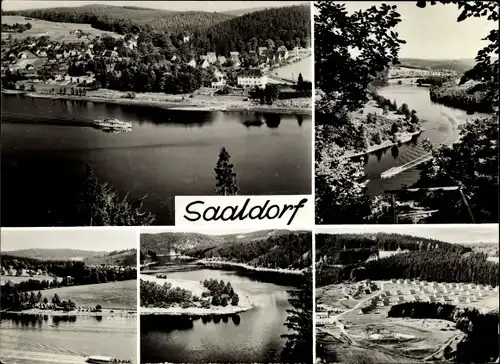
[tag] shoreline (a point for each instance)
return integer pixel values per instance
(196, 289)
(218, 263)
(405, 138)
(169, 105)
(103, 313)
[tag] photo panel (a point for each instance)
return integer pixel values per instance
(406, 121)
(226, 295)
(69, 295)
(407, 294)
(114, 110)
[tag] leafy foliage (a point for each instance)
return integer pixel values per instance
(12, 299)
(227, 184)
(350, 52)
(299, 322)
(99, 204)
(351, 49)
(221, 292)
(471, 162)
(155, 295)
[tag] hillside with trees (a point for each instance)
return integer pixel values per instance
(163, 243)
(284, 251)
(271, 28)
(54, 254)
(128, 19)
(124, 258)
(431, 261)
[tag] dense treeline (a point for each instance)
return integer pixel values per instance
(128, 19)
(432, 265)
(288, 26)
(222, 294)
(331, 243)
(155, 295)
(73, 272)
(15, 28)
(284, 251)
(481, 329)
(473, 99)
(12, 299)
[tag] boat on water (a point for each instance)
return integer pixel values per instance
(111, 123)
(99, 359)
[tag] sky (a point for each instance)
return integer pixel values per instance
(458, 234)
(211, 6)
(95, 239)
(433, 32)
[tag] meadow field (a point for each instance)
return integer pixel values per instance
(112, 295)
(56, 31)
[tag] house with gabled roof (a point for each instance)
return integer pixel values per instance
(222, 59)
(211, 57)
(192, 63)
(261, 50)
(252, 78)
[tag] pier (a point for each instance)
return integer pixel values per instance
(399, 169)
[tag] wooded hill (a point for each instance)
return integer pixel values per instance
(209, 32)
(440, 261)
(122, 258)
(36, 258)
(291, 250)
(163, 243)
(128, 19)
(289, 26)
(54, 254)
(459, 65)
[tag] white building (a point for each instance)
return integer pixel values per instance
(252, 78)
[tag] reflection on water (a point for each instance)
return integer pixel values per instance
(69, 335)
(168, 153)
(250, 336)
(441, 126)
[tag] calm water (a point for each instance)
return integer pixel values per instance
(252, 336)
(441, 127)
(58, 338)
(168, 153)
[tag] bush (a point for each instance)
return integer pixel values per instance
(98, 308)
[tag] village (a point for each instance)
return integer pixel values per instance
(43, 60)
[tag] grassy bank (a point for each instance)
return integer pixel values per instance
(113, 295)
(179, 102)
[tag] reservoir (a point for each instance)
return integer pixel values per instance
(441, 124)
(250, 336)
(168, 153)
(66, 339)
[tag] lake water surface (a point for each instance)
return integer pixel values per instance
(168, 153)
(441, 127)
(63, 339)
(251, 336)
